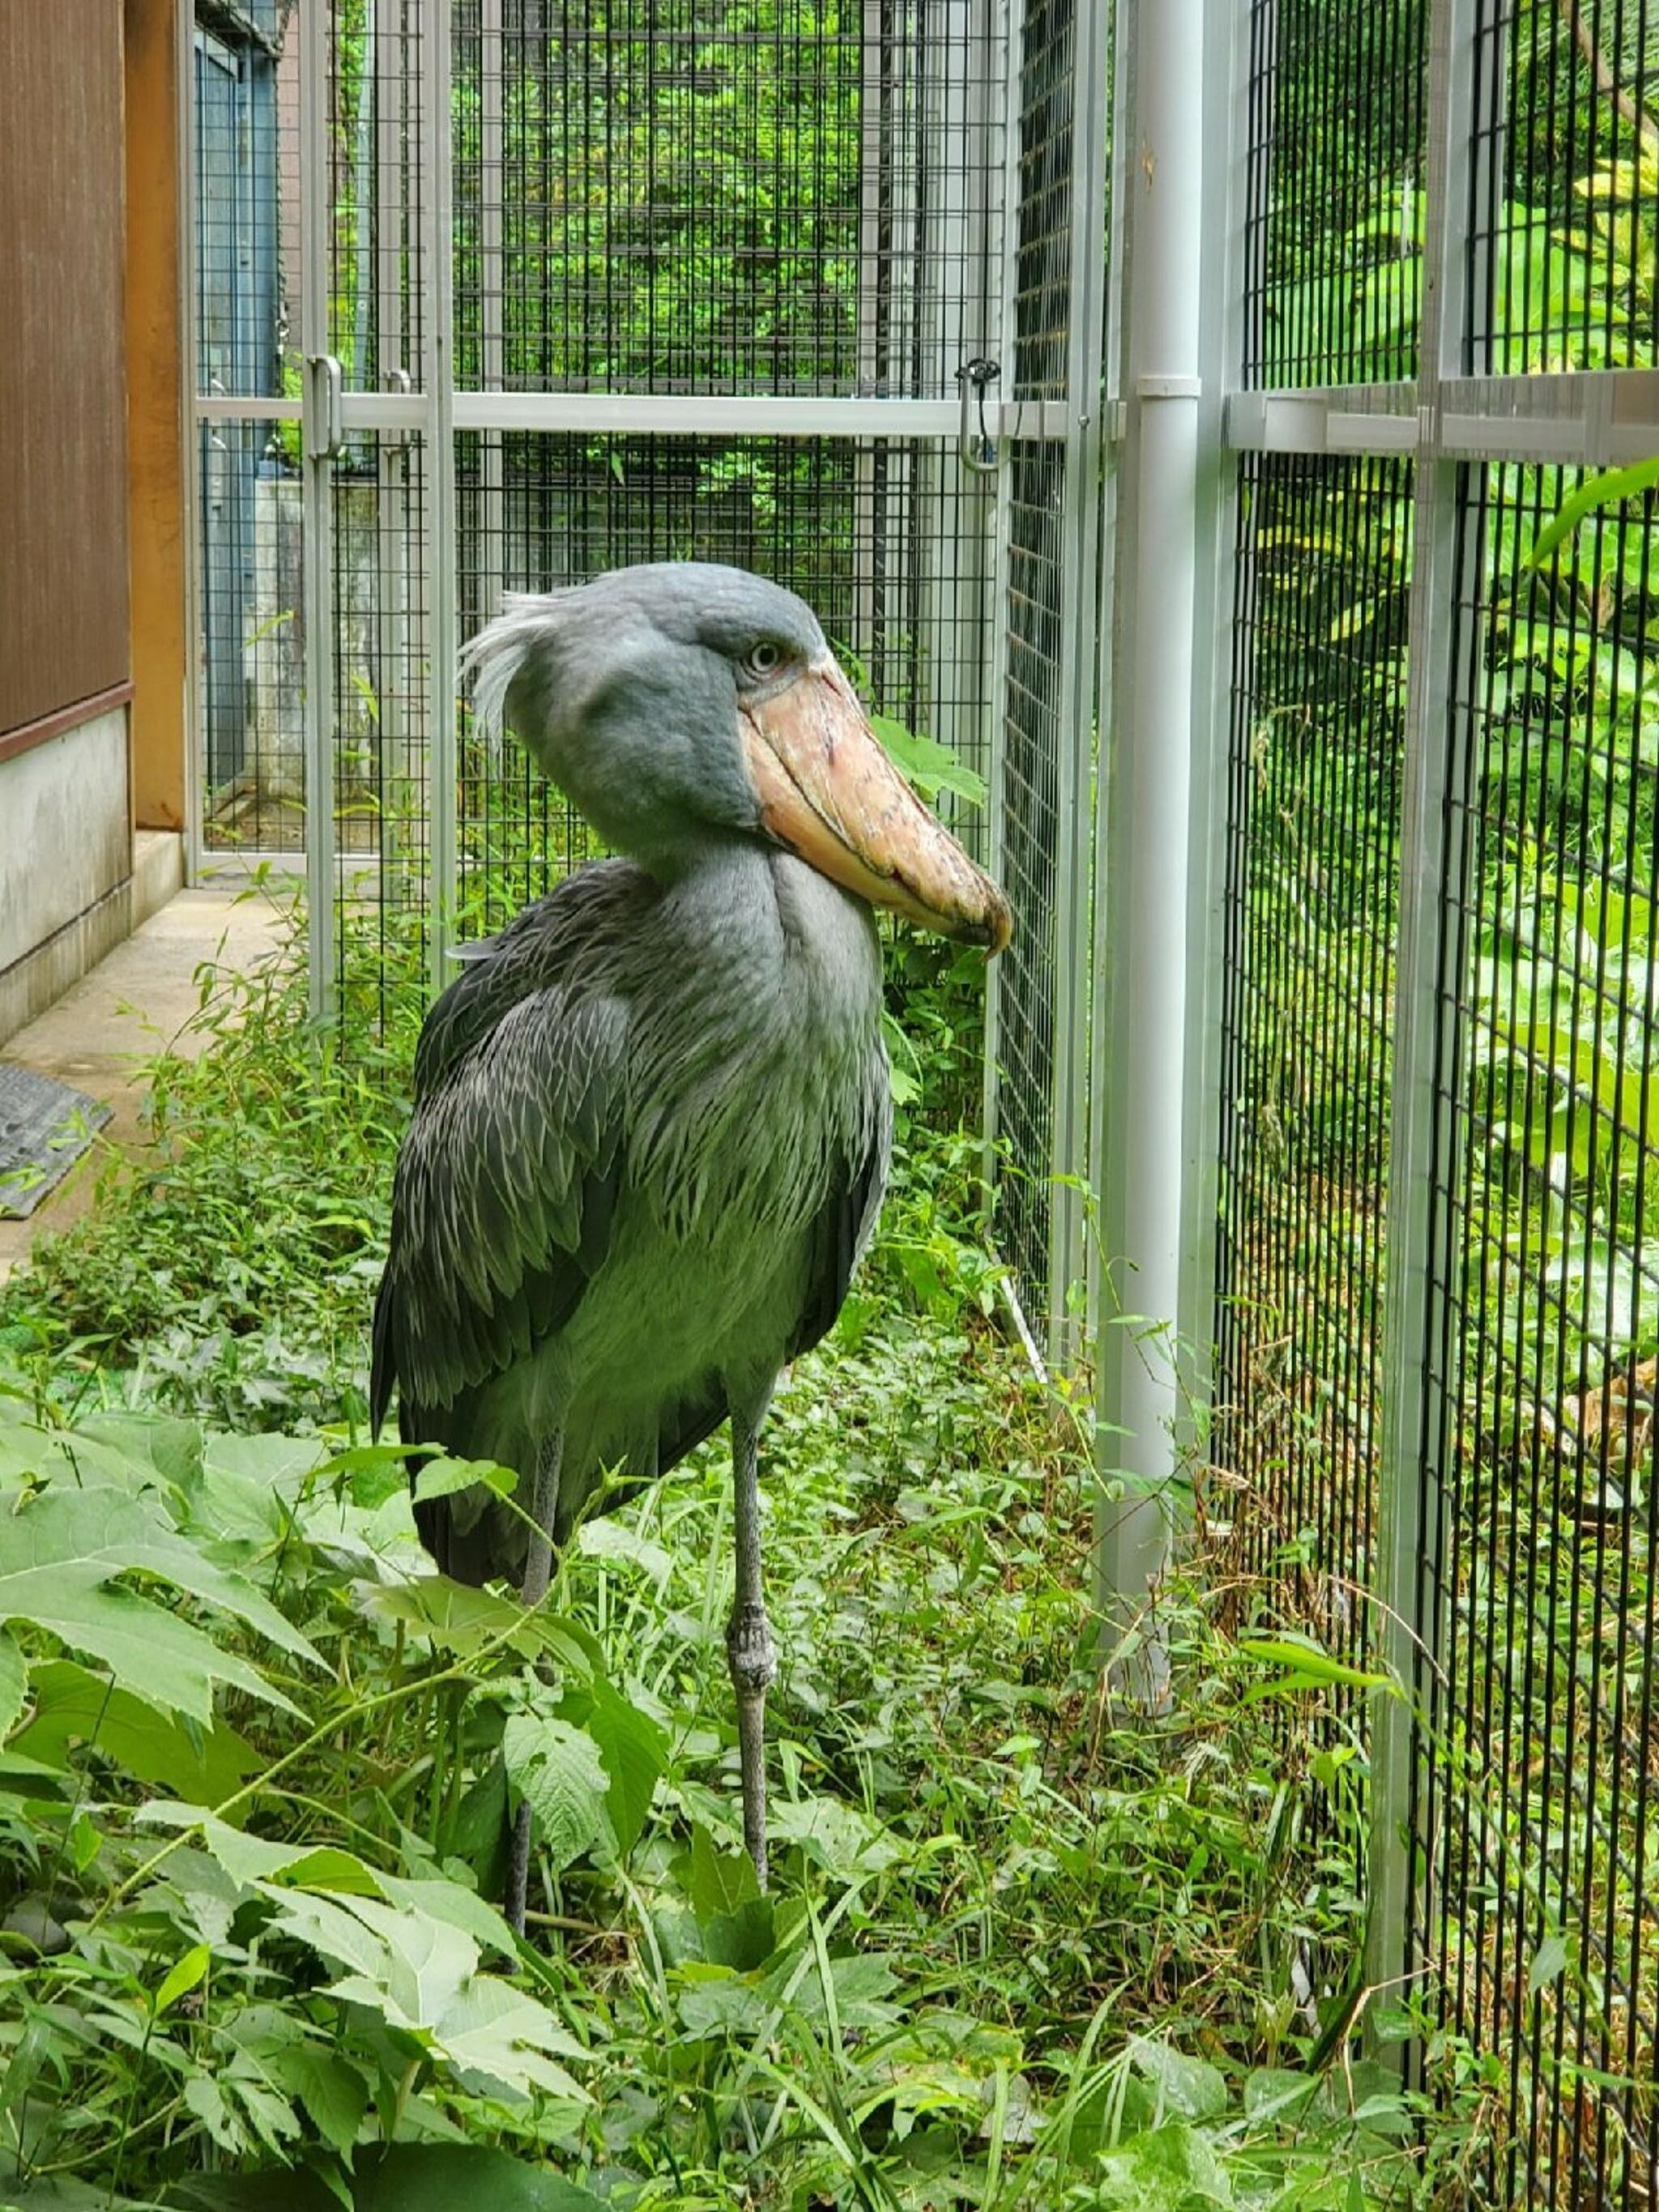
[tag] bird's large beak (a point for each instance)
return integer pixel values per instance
(828, 792)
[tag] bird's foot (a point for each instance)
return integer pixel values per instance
(748, 1651)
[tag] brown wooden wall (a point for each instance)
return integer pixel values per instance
(63, 611)
(155, 426)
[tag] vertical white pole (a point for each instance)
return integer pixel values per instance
(1424, 1034)
(439, 374)
(316, 508)
(1151, 792)
(1008, 24)
(1078, 673)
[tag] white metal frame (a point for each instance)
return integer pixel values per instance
(1158, 1157)
(1144, 1176)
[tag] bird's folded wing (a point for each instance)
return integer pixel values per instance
(507, 1181)
(846, 1221)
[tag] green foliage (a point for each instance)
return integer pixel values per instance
(1021, 1951)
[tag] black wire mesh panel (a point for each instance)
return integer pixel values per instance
(1033, 721)
(375, 180)
(1334, 236)
(1563, 225)
(851, 526)
(245, 153)
(1541, 1811)
(245, 110)
(382, 723)
(1032, 735)
(698, 196)
(1311, 900)
(251, 689)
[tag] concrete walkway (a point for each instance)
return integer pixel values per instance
(138, 1001)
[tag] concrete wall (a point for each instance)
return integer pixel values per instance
(65, 862)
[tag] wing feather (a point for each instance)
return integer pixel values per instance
(505, 1182)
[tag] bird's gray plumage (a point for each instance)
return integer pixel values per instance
(650, 1141)
(652, 1118)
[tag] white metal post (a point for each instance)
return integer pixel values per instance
(1079, 671)
(318, 443)
(1417, 1112)
(1216, 614)
(1151, 795)
(1001, 341)
(439, 370)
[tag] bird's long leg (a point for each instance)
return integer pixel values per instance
(538, 1572)
(749, 1637)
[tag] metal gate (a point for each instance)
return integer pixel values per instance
(807, 289)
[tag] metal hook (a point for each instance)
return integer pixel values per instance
(979, 450)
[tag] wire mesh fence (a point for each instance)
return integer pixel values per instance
(1313, 838)
(663, 206)
(1565, 186)
(674, 203)
(1521, 679)
(1537, 1597)
(1333, 234)
(250, 554)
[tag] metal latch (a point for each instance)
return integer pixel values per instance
(979, 449)
(325, 407)
(398, 381)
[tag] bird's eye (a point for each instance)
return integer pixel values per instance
(764, 659)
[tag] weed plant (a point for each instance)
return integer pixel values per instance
(1023, 1949)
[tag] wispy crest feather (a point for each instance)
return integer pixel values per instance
(489, 662)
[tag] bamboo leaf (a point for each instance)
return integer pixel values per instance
(1607, 489)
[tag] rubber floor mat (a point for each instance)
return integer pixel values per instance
(44, 1126)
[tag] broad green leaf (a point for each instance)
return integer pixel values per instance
(718, 2001)
(452, 1618)
(718, 1881)
(96, 1534)
(249, 1860)
(1167, 2170)
(14, 1682)
(495, 2033)
(1549, 1963)
(1273, 2092)
(452, 1901)
(558, 1769)
(406, 2178)
(279, 1463)
(72, 1704)
(634, 1753)
(931, 767)
(161, 1658)
(181, 1979)
(332, 2094)
(1191, 2086)
(443, 1478)
(836, 1836)
(420, 1976)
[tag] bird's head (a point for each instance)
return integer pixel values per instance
(680, 703)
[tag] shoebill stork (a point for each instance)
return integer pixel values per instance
(651, 1117)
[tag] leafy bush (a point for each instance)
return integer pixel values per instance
(1022, 1950)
